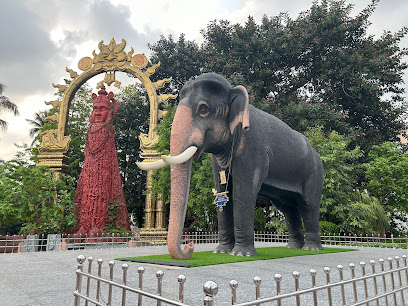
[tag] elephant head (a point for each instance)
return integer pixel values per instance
(210, 114)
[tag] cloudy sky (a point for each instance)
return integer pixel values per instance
(39, 38)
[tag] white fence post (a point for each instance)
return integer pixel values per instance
(80, 259)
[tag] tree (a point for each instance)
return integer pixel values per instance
(8, 106)
(131, 120)
(37, 123)
(340, 170)
(386, 174)
(346, 67)
(78, 122)
(342, 202)
(322, 62)
(180, 60)
(364, 214)
(32, 199)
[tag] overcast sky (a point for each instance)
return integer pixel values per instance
(39, 38)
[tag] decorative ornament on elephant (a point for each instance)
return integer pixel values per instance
(253, 153)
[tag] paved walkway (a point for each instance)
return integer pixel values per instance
(48, 278)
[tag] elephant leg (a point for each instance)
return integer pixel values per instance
(311, 222)
(225, 217)
(244, 201)
(225, 230)
(294, 223)
(310, 210)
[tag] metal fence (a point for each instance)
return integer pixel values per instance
(61, 242)
(380, 287)
(333, 239)
(123, 288)
(58, 242)
(385, 284)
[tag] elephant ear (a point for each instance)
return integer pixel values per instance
(239, 111)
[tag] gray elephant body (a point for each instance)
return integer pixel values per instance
(272, 160)
(259, 153)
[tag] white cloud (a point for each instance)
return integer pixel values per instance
(176, 16)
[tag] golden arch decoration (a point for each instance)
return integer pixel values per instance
(111, 58)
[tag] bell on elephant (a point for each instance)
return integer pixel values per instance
(252, 153)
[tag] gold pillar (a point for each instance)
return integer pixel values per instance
(149, 204)
(160, 215)
(155, 212)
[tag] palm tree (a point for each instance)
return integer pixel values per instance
(6, 105)
(36, 124)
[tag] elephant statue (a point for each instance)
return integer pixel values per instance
(252, 153)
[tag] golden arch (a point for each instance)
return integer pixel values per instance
(111, 58)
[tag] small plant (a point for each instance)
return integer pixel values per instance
(112, 226)
(278, 223)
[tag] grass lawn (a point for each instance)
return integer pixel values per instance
(209, 258)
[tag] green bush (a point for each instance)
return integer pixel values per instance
(327, 227)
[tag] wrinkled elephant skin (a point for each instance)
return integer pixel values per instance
(261, 154)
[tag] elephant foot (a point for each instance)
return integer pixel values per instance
(295, 244)
(312, 242)
(224, 248)
(312, 246)
(244, 251)
(296, 241)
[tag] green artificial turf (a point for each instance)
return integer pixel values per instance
(209, 258)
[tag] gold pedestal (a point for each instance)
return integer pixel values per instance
(55, 161)
(154, 235)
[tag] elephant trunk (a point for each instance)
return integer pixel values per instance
(180, 185)
(181, 133)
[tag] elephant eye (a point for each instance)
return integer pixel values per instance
(203, 109)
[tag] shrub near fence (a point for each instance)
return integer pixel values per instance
(57, 242)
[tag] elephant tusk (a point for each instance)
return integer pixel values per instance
(152, 165)
(181, 158)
